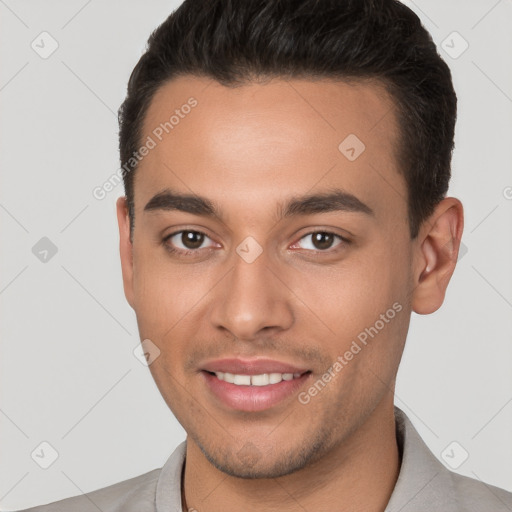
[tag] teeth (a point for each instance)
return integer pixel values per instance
(242, 380)
(228, 377)
(275, 378)
(259, 380)
(263, 379)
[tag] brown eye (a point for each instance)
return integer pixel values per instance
(192, 239)
(320, 241)
(187, 240)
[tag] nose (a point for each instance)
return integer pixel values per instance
(252, 299)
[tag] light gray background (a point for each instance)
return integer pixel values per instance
(68, 373)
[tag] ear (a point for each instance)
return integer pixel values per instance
(436, 255)
(125, 248)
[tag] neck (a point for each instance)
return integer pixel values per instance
(357, 475)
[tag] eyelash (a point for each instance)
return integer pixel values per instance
(188, 252)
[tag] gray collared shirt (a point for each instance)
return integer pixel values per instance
(423, 485)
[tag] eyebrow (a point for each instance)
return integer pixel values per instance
(330, 201)
(170, 200)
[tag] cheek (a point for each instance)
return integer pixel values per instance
(358, 310)
(164, 293)
(166, 297)
(352, 295)
(377, 312)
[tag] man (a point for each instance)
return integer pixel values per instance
(286, 165)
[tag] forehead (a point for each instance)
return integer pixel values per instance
(259, 141)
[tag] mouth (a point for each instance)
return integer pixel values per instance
(263, 379)
(252, 386)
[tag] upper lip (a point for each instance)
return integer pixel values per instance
(251, 366)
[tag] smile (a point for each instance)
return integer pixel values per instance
(264, 379)
(253, 393)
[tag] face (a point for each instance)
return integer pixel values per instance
(271, 265)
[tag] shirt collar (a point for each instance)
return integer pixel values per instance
(168, 488)
(422, 478)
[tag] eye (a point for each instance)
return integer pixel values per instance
(320, 241)
(187, 241)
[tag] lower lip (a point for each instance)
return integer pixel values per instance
(253, 398)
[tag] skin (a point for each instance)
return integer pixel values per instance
(249, 150)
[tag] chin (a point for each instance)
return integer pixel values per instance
(249, 463)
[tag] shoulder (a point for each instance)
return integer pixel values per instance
(133, 495)
(476, 496)
(156, 490)
(425, 484)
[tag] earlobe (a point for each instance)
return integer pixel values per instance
(125, 248)
(436, 257)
